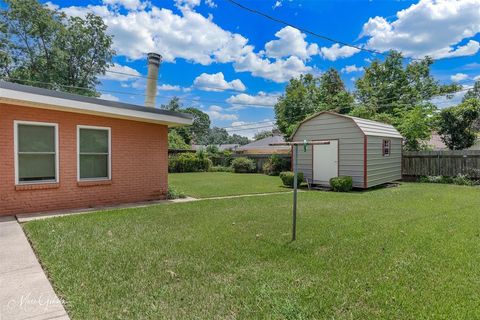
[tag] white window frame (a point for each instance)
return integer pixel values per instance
(16, 123)
(109, 153)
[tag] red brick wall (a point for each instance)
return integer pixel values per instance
(139, 163)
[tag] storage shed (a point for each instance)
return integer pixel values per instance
(368, 151)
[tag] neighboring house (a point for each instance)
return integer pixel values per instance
(368, 151)
(436, 144)
(221, 147)
(263, 146)
(62, 151)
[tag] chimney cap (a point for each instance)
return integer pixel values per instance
(154, 58)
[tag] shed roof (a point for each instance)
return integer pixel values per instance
(29, 96)
(368, 127)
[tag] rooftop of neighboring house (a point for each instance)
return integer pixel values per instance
(263, 146)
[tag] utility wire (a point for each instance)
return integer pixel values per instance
(233, 128)
(267, 16)
(212, 88)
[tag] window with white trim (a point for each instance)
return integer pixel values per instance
(93, 153)
(386, 148)
(36, 148)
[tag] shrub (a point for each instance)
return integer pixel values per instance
(173, 193)
(223, 158)
(274, 165)
(288, 178)
(341, 184)
(188, 162)
(220, 169)
(462, 180)
(243, 165)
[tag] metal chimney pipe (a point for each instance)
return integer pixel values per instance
(154, 60)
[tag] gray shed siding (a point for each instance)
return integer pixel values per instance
(382, 169)
(350, 145)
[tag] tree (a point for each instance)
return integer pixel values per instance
(217, 136)
(238, 139)
(262, 135)
(415, 125)
(473, 93)
(195, 133)
(44, 47)
(201, 124)
(455, 125)
(388, 86)
(173, 105)
(306, 95)
(333, 95)
(175, 141)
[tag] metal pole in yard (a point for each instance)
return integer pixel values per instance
(294, 215)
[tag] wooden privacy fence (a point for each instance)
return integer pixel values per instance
(441, 163)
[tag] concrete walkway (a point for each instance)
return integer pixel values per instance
(25, 292)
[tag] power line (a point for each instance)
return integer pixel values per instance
(267, 16)
(211, 101)
(142, 94)
(194, 86)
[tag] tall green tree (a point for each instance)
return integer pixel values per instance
(455, 124)
(262, 134)
(306, 95)
(333, 94)
(195, 133)
(44, 47)
(389, 85)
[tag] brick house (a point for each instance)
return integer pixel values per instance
(61, 151)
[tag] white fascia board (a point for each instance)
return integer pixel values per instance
(54, 103)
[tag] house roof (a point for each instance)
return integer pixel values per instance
(263, 145)
(221, 147)
(14, 93)
(368, 127)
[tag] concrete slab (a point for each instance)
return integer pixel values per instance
(25, 292)
(25, 217)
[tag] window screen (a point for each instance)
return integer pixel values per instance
(36, 153)
(94, 153)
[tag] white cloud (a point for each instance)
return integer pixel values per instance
(168, 87)
(187, 4)
(120, 73)
(430, 27)
(337, 52)
(261, 100)
(351, 68)
(191, 36)
(277, 4)
(127, 4)
(459, 77)
(453, 99)
(210, 3)
(188, 35)
(217, 82)
(217, 113)
(291, 42)
(281, 70)
(108, 96)
(477, 78)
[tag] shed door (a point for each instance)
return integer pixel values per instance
(325, 161)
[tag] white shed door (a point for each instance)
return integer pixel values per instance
(325, 161)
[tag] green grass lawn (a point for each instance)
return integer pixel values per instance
(411, 252)
(211, 184)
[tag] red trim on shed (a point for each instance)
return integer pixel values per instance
(365, 182)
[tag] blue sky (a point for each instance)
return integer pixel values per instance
(218, 57)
